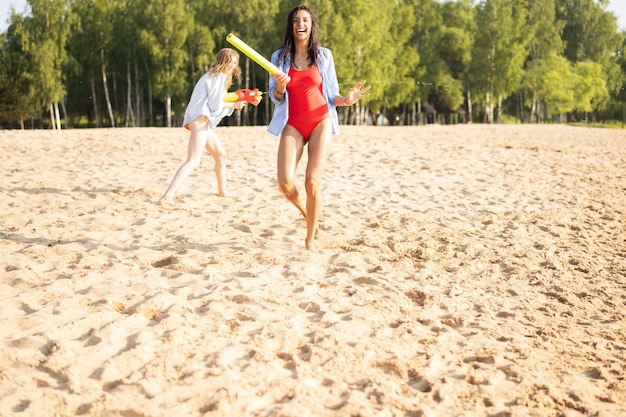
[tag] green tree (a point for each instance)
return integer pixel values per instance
(590, 88)
(122, 57)
(358, 55)
(18, 100)
(47, 29)
(554, 83)
(163, 35)
(546, 30)
(126, 61)
(453, 47)
(428, 19)
(590, 34)
(545, 41)
(620, 93)
(90, 43)
(499, 51)
(200, 44)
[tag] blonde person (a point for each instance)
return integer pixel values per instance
(306, 94)
(205, 110)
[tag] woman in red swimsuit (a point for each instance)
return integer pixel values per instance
(306, 94)
(307, 105)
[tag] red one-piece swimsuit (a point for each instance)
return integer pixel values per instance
(307, 106)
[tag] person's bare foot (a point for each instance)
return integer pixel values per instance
(166, 199)
(224, 194)
(310, 246)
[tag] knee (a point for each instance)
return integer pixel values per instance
(312, 186)
(285, 185)
(221, 158)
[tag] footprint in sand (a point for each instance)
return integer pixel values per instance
(174, 263)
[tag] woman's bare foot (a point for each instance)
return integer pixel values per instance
(166, 199)
(310, 246)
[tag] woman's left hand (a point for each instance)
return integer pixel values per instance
(357, 92)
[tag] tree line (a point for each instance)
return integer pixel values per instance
(110, 63)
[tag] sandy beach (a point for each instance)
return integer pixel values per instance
(465, 270)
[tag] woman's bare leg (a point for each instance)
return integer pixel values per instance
(319, 146)
(215, 148)
(289, 154)
(197, 141)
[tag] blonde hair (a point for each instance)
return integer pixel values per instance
(223, 63)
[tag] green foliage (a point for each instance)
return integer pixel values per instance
(48, 30)
(163, 35)
(561, 56)
(499, 49)
(554, 82)
(590, 91)
(544, 29)
(590, 34)
(17, 101)
(402, 60)
(361, 56)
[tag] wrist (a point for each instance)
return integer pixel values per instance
(345, 102)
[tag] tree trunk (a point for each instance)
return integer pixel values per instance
(114, 96)
(168, 111)
(256, 108)
(130, 117)
(488, 108)
(138, 108)
(362, 114)
(243, 115)
(268, 102)
(469, 107)
(65, 116)
(57, 116)
(419, 111)
(538, 111)
(150, 111)
(106, 88)
(52, 122)
(94, 99)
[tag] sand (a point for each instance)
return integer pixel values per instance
(465, 270)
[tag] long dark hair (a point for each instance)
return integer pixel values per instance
(289, 48)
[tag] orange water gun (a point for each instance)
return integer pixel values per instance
(246, 95)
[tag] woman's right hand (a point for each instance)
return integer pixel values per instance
(282, 80)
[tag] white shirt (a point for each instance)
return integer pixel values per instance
(207, 99)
